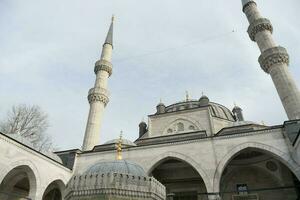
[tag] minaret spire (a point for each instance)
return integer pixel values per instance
(109, 37)
(274, 59)
(98, 96)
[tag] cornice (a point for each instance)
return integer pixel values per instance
(210, 138)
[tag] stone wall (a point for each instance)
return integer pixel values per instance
(44, 170)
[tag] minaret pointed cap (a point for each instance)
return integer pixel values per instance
(109, 37)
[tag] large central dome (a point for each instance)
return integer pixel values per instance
(117, 166)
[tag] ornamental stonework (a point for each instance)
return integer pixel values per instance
(116, 185)
(250, 3)
(273, 56)
(98, 95)
(103, 65)
(259, 25)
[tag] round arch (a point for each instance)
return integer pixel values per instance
(189, 120)
(20, 173)
(55, 188)
(283, 157)
(178, 156)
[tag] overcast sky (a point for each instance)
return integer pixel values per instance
(161, 49)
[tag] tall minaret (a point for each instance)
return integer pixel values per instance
(98, 96)
(274, 59)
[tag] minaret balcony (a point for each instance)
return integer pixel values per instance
(273, 56)
(103, 65)
(98, 94)
(259, 25)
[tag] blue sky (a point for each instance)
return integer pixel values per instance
(162, 48)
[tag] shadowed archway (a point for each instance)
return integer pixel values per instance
(19, 183)
(256, 174)
(181, 179)
(54, 191)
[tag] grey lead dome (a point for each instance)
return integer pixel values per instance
(117, 166)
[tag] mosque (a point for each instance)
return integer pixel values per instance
(189, 150)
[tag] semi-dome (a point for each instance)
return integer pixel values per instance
(125, 142)
(117, 166)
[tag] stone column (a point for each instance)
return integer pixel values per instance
(274, 59)
(98, 96)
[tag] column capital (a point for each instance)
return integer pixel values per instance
(259, 25)
(98, 94)
(103, 65)
(273, 56)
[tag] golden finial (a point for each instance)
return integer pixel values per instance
(119, 147)
(187, 96)
(113, 18)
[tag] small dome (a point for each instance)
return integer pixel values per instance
(161, 104)
(204, 100)
(143, 123)
(117, 166)
(118, 179)
(124, 142)
(160, 108)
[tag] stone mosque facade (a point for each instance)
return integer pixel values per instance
(190, 150)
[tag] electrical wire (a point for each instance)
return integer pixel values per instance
(177, 47)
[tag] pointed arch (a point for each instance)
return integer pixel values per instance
(181, 157)
(283, 157)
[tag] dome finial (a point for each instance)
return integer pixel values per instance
(119, 147)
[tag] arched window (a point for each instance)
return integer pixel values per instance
(180, 126)
(191, 127)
